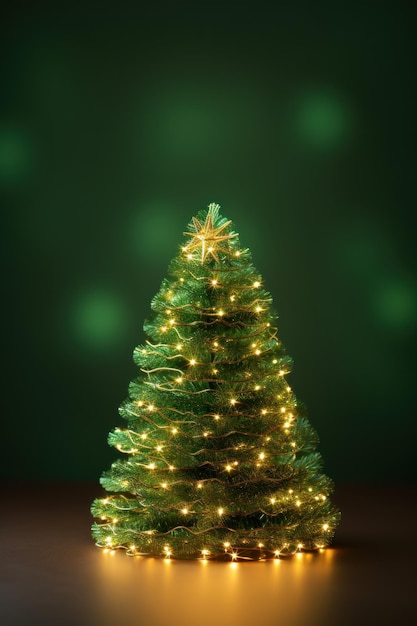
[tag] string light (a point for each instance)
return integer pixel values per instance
(256, 283)
(220, 510)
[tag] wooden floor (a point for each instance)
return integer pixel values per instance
(52, 574)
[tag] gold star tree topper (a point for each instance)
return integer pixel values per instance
(207, 236)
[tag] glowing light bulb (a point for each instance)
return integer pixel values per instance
(179, 380)
(164, 329)
(264, 411)
(171, 468)
(256, 283)
(232, 298)
(178, 346)
(184, 511)
(159, 448)
(272, 500)
(119, 446)
(228, 468)
(115, 520)
(109, 540)
(298, 503)
(172, 322)
(226, 544)
(283, 409)
(233, 401)
(174, 431)
(181, 280)
(205, 434)
(189, 256)
(192, 361)
(164, 485)
(132, 548)
(205, 552)
(260, 545)
(274, 361)
(151, 407)
(237, 253)
(151, 466)
(262, 456)
(234, 556)
(144, 436)
(214, 281)
(325, 526)
(140, 403)
(105, 501)
(257, 387)
(254, 345)
(281, 372)
(258, 309)
(220, 313)
(199, 485)
(299, 546)
(220, 511)
(258, 352)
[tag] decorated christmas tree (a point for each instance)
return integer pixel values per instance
(219, 458)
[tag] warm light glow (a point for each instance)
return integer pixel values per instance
(262, 456)
(179, 379)
(140, 403)
(206, 434)
(164, 485)
(264, 411)
(151, 466)
(325, 526)
(233, 401)
(143, 436)
(199, 485)
(226, 544)
(184, 511)
(229, 468)
(192, 361)
(214, 281)
(220, 313)
(281, 372)
(159, 448)
(256, 283)
(178, 346)
(260, 545)
(174, 431)
(172, 322)
(171, 467)
(258, 352)
(237, 253)
(151, 407)
(217, 417)
(232, 298)
(258, 309)
(220, 511)
(283, 409)
(272, 500)
(257, 387)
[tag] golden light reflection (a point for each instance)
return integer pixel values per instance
(287, 590)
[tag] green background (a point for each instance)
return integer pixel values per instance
(118, 124)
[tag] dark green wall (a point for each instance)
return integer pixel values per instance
(116, 126)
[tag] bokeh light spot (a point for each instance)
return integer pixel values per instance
(395, 305)
(15, 156)
(154, 231)
(98, 319)
(323, 120)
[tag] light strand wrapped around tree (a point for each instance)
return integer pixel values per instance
(220, 460)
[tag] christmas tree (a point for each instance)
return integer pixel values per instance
(220, 459)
